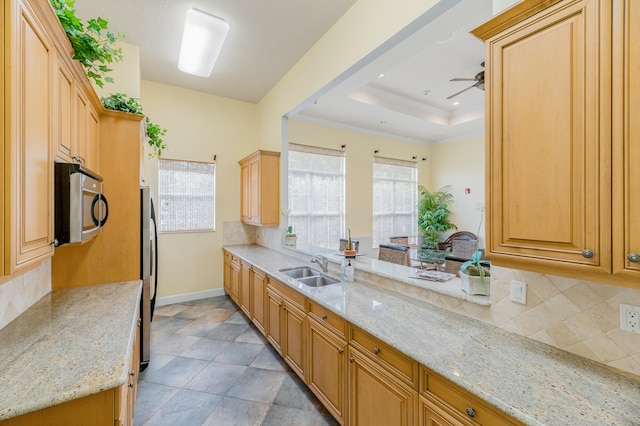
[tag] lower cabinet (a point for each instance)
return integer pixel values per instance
(327, 368)
(444, 403)
(258, 301)
(231, 278)
(287, 312)
(246, 276)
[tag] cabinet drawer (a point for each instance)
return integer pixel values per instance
(228, 257)
(332, 321)
(293, 296)
(404, 367)
(452, 398)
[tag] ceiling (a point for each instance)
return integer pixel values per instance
(268, 37)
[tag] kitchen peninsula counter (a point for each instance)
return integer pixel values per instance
(70, 344)
(531, 381)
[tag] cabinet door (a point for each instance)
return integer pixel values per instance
(327, 369)
(254, 193)
(63, 109)
(245, 288)
(29, 215)
(245, 193)
(548, 136)
(626, 149)
(92, 152)
(294, 332)
(376, 397)
(432, 415)
(274, 320)
(235, 282)
(81, 125)
(258, 302)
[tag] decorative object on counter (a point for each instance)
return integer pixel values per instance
(290, 238)
(475, 274)
(92, 49)
(437, 276)
(351, 250)
(124, 103)
(433, 214)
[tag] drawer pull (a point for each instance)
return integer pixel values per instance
(130, 385)
(376, 351)
(587, 254)
(351, 359)
(471, 412)
(133, 373)
(324, 317)
(340, 351)
(633, 258)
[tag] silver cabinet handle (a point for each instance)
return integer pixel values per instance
(587, 254)
(633, 257)
(324, 317)
(340, 351)
(471, 412)
(376, 351)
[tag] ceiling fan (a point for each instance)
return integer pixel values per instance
(478, 79)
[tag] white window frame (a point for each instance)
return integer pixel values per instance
(196, 186)
(314, 218)
(379, 236)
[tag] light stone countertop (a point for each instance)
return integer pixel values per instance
(533, 382)
(70, 344)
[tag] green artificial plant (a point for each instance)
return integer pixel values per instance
(433, 214)
(122, 102)
(93, 45)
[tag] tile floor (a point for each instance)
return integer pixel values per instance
(211, 366)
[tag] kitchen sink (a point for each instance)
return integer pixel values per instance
(300, 272)
(317, 281)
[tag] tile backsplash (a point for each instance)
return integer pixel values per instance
(578, 316)
(17, 295)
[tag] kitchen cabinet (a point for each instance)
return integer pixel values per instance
(383, 383)
(626, 141)
(327, 360)
(287, 324)
(260, 188)
(87, 127)
(561, 158)
(546, 135)
(246, 276)
(232, 276)
(28, 178)
(258, 301)
(126, 394)
(444, 404)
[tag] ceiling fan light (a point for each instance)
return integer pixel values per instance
(202, 42)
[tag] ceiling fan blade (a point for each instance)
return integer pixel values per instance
(463, 90)
(462, 79)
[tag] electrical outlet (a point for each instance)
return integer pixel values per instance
(630, 318)
(519, 292)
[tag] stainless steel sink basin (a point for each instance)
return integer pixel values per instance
(300, 272)
(317, 281)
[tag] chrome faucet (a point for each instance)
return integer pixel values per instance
(322, 261)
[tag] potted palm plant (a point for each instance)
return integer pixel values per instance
(433, 214)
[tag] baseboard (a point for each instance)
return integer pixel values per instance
(187, 297)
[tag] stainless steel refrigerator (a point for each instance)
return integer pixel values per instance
(148, 272)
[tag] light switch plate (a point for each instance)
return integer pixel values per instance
(519, 292)
(630, 318)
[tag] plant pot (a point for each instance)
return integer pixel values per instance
(475, 285)
(290, 240)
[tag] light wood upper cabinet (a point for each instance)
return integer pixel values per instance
(626, 141)
(28, 202)
(559, 162)
(260, 188)
(64, 96)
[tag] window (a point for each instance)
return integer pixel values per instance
(187, 196)
(316, 195)
(395, 197)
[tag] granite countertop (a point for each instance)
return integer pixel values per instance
(70, 344)
(533, 382)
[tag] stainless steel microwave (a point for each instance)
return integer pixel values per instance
(81, 208)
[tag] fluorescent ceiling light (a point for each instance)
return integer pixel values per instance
(202, 41)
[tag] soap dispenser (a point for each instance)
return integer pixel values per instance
(343, 269)
(349, 272)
